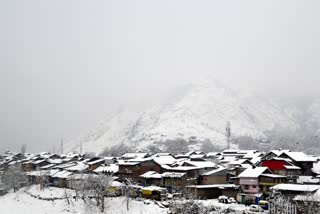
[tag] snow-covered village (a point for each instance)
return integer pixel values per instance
(159, 107)
(230, 181)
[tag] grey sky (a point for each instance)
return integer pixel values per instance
(66, 64)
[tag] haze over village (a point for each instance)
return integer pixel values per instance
(159, 107)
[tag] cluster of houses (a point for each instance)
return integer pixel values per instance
(246, 175)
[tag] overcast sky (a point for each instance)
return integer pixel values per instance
(65, 65)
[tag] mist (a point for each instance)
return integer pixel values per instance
(66, 65)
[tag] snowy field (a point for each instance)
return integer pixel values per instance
(21, 202)
(26, 201)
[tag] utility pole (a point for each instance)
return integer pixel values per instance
(228, 134)
(23, 149)
(61, 145)
(80, 147)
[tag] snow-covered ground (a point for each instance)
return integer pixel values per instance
(21, 202)
(26, 201)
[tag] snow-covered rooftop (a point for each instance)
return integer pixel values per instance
(79, 167)
(253, 173)
(279, 151)
(238, 162)
(127, 163)
(95, 161)
(296, 187)
(316, 168)
(220, 186)
(62, 174)
(116, 184)
(315, 197)
(308, 179)
(134, 155)
(165, 160)
(153, 188)
(113, 168)
(273, 176)
(180, 168)
(300, 157)
(203, 164)
(291, 167)
(218, 169)
(172, 174)
(151, 174)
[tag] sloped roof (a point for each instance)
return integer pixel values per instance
(172, 174)
(95, 161)
(238, 162)
(308, 197)
(218, 169)
(273, 176)
(255, 160)
(308, 179)
(134, 155)
(151, 174)
(253, 155)
(40, 161)
(62, 174)
(296, 187)
(153, 188)
(278, 152)
(300, 157)
(202, 164)
(79, 167)
(253, 173)
(169, 159)
(179, 168)
(128, 163)
(48, 166)
(55, 161)
(220, 186)
(316, 168)
(291, 167)
(111, 168)
(212, 154)
(38, 173)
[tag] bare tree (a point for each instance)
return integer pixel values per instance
(129, 192)
(281, 204)
(308, 203)
(191, 205)
(117, 150)
(207, 147)
(92, 190)
(14, 178)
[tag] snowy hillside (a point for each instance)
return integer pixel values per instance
(199, 110)
(314, 112)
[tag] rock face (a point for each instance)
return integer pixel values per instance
(198, 112)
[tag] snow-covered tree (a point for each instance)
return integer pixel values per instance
(92, 190)
(308, 203)
(13, 178)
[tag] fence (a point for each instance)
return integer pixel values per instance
(283, 208)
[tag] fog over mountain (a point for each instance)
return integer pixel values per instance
(198, 112)
(65, 66)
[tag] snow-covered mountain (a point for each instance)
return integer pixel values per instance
(198, 111)
(314, 114)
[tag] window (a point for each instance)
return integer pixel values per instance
(246, 186)
(254, 186)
